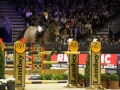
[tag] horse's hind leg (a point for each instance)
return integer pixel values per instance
(36, 36)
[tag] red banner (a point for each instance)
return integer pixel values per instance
(105, 58)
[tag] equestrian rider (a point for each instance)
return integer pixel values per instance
(43, 22)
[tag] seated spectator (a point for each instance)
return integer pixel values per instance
(75, 32)
(88, 26)
(32, 9)
(83, 32)
(69, 23)
(101, 19)
(111, 13)
(57, 18)
(20, 8)
(40, 1)
(112, 43)
(106, 14)
(63, 20)
(28, 14)
(71, 35)
(37, 9)
(101, 39)
(65, 36)
(88, 41)
(118, 42)
(112, 38)
(57, 12)
(107, 39)
(24, 11)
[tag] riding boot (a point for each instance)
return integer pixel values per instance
(36, 36)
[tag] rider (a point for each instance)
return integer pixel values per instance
(44, 21)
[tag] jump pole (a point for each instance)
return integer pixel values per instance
(32, 49)
(19, 64)
(44, 81)
(43, 58)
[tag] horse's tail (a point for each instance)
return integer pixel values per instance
(21, 34)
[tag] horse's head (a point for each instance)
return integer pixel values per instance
(55, 28)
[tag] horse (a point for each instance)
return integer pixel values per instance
(49, 34)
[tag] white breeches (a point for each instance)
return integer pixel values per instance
(39, 28)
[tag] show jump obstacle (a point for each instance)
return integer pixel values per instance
(95, 64)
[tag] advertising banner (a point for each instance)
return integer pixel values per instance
(105, 58)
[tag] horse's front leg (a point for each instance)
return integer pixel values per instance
(53, 50)
(58, 46)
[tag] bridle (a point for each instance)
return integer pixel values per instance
(53, 32)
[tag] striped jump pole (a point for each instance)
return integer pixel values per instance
(44, 52)
(44, 62)
(12, 66)
(45, 81)
(11, 63)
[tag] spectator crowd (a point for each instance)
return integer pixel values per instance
(78, 18)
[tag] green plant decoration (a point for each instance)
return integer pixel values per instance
(2, 65)
(11, 81)
(87, 68)
(104, 77)
(48, 66)
(57, 77)
(80, 76)
(114, 77)
(65, 76)
(45, 77)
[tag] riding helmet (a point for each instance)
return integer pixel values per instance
(45, 10)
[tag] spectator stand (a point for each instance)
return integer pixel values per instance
(85, 19)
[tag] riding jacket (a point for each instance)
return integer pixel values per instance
(44, 21)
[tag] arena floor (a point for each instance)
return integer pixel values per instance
(59, 86)
(54, 87)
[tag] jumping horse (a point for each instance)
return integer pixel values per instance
(49, 34)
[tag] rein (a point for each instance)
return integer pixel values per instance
(53, 32)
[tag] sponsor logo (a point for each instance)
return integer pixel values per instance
(95, 66)
(20, 47)
(19, 66)
(73, 68)
(105, 58)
